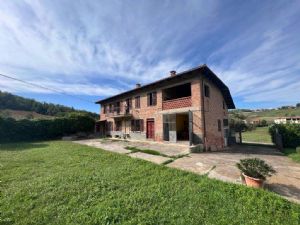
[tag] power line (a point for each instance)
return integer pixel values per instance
(47, 88)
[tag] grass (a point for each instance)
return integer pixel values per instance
(66, 183)
(154, 152)
(259, 135)
(147, 151)
(292, 153)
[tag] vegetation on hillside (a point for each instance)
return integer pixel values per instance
(21, 114)
(14, 102)
(269, 114)
(67, 183)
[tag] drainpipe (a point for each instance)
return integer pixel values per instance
(191, 127)
(203, 112)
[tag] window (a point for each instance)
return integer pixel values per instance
(225, 122)
(219, 125)
(223, 105)
(111, 108)
(151, 98)
(109, 126)
(118, 125)
(104, 109)
(116, 106)
(137, 102)
(206, 91)
(137, 125)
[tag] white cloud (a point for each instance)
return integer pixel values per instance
(269, 71)
(103, 47)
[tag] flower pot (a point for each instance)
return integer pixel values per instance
(253, 182)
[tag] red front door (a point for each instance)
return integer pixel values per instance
(150, 128)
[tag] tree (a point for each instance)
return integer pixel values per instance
(237, 123)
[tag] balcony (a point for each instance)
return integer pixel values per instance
(177, 103)
(120, 112)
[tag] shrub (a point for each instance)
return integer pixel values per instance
(290, 134)
(29, 130)
(256, 168)
(298, 149)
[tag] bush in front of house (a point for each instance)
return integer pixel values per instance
(28, 130)
(290, 134)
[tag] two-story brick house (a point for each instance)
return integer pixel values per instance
(191, 106)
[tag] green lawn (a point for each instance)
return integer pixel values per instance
(260, 134)
(292, 153)
(65, 183)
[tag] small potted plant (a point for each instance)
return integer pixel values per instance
(255, 171)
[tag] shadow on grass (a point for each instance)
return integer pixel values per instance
(21, 146)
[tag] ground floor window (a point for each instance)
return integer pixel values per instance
(137, 125)
(109, 126)
(118, 125)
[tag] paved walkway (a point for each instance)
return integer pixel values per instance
(119, 146)
(219, 165)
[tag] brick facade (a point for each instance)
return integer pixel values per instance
(206, 111)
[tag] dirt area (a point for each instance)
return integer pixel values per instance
(218, 165)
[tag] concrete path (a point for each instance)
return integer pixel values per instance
(221, 165)
(120, 147)
(112, 147)
(152, 158)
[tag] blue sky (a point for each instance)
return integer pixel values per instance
(94, 49)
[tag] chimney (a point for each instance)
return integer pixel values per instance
(138, 85)
(172, 73)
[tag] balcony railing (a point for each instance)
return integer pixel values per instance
(177, 103)
(119, 112)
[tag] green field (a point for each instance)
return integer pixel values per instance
(65, 183)
(260, 135)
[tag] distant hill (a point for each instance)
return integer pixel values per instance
(269, 114)
(17, 106)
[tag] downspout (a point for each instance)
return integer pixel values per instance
(203, 112)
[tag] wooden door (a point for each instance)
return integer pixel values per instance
(150, 128)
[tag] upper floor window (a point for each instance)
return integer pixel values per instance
(128, 103)
(151, 98)
(104, 109)
(223, 105)
(137, 102)
(111, 108)
(206, 91)
(117, 107)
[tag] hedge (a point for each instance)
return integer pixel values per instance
(290, 134)
(12, 130)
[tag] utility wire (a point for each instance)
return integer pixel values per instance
(47, 88)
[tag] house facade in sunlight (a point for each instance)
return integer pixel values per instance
(189, 108)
